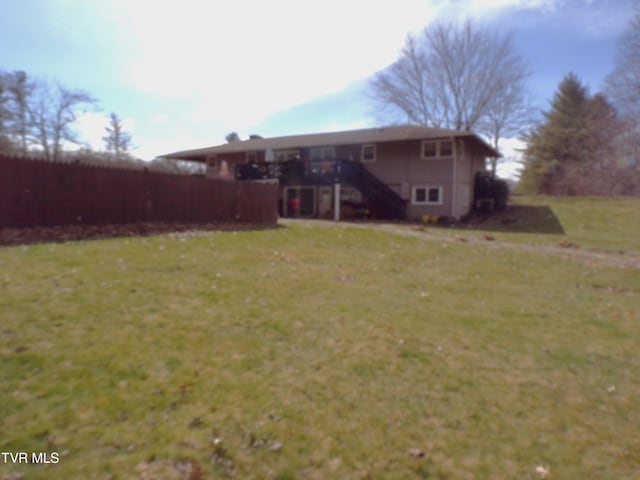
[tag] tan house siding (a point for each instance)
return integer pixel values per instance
(401, 166)
(392, 161)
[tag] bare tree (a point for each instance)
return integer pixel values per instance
(53, 114)
(20, 89)
(623, 89)
(623, 84)
(454, 76)
(117, 140)
(507, 116)
(403, 87)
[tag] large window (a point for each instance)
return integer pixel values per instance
(437, 149)
(426, 195)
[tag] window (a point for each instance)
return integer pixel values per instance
(350, 194)
(430, 149)
(286, 155)
(446, 148)
(437, 149)
(319, 154)
(368, 153)
(426, 196)
(212, 161)
(252, 157)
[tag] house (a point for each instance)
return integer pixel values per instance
(402, 172)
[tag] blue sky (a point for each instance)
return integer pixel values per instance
(185, 73)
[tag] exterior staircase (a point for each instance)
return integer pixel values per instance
(383, 200)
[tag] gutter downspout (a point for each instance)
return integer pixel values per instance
(454, 186)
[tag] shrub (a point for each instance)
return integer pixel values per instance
(488, 186)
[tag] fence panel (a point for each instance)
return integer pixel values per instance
(40, 193)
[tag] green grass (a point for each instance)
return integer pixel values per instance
(612, 223)
(317, 352)
(595, 222)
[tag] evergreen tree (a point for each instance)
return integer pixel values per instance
(561, 142)
(604, 127)
(117, 140)
(5, 115)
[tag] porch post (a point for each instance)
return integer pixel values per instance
(336, 202)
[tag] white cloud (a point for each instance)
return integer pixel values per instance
(246, 59)
(511, 162)
(487, 9)
(158, 118)
(222, 66)
(91, 127)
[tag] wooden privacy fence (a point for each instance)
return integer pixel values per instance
(40, 193)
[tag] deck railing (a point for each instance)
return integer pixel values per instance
(270, 170)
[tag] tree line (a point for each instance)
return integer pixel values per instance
(590, 144)
(469, 77)
(39, 117)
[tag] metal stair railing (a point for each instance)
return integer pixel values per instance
(387, 203)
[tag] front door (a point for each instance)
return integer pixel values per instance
(325, 195)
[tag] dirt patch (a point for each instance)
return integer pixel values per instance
(517, 219)
(21, 236)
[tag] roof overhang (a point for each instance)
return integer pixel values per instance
(350, 137)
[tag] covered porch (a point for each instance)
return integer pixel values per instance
(326, 189)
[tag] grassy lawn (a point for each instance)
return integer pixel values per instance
(319, 352)
(604, 223)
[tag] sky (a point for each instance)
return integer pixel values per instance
(183, 74)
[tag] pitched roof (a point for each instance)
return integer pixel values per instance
(350, 137)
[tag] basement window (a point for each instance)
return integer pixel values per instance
(426, 195)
